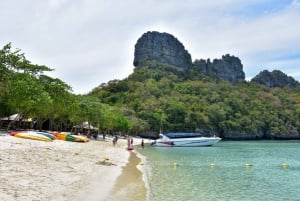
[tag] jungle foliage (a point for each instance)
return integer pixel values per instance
(152, 99)
(168, 100)
(27, 91)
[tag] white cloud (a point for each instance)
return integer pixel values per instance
(90, 42)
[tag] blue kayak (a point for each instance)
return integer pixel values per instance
(52, 137)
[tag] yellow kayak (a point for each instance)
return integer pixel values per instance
(33, 136)
(79, 138)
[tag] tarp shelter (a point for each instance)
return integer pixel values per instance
(15, 117)
(15, 121)
(86, 125)
(85, 128)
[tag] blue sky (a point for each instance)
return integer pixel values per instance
(89, 42)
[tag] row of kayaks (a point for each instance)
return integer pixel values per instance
(48, 137)
(69, 137)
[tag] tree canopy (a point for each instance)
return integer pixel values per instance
(191, 102)
(49, 102)
(152, 99)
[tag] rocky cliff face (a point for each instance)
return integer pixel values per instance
(166, 49)
(228, 68)
(162, 48)
(275, 78)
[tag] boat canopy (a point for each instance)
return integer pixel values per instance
(182, 135)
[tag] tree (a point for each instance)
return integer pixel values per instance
(26, 96)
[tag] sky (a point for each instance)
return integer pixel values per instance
(90, 42)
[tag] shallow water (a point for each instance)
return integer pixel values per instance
(129, 185)
(220, 173)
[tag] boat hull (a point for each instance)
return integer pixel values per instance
(195, 142)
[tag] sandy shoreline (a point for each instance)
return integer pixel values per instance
(129, 185)
(63, 171)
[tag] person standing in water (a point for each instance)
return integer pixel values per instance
(142, 143)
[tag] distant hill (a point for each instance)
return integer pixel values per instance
(275, 78)
(168, 92)
(164, 48)
(157, 97)
(228, 68)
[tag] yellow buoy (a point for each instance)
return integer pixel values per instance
(284, 165)
(248, 165)
(212, 165)
(175, 165)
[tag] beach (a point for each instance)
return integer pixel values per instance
(63, 171)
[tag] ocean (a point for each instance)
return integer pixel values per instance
(230, 170)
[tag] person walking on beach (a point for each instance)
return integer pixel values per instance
(115, 140)
(142, 143)
(128, 141)
(131, 141)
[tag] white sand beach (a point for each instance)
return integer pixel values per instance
(63, 171)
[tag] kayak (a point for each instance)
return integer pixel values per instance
(32, 136)
(79, 138)
(60, 136)
(13, 133)
(49, 135)
(70, 138)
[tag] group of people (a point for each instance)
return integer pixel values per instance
(129, 142)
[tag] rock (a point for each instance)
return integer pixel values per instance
(290, 133)
(276, 78)
(228, 68)
(162, 48)
(242, 135)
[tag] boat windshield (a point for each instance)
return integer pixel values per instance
(182, 135)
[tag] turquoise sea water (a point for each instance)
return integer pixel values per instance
(195, 178)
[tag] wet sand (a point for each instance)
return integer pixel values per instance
(130, 185)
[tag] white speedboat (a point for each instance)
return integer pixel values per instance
(184, 140)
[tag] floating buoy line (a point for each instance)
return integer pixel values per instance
(212, 165)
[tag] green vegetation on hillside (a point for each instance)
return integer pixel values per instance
(190, 102)
(151, 99)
